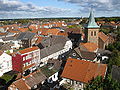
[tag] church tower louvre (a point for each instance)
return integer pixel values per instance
(92, 30)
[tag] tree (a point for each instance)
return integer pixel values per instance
(105, 30)
(114, 46)
(103, 84)
(114, 58)
(95, 84)
(110, 47)
(110, 84)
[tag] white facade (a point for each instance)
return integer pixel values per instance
(76, 84)
(35, 55)
(52, 78)
(5, 63)
(66, 48)
(16, 45)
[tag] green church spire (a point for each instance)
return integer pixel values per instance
(91, 22)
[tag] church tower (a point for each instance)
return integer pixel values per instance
(92, 30)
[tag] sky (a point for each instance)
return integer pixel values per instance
(11, 9)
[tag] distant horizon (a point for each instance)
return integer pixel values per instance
(12, 9)
(56, 17)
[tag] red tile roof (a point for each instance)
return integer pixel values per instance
(32, 27)
(3, 33)
(83, 71)
(62, 34)
(28, 50)
(46, 31)
(91, 47)
(52, 31)
(103, 36)
(23, 29)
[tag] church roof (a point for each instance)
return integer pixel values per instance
(91, 22)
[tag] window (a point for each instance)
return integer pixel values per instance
(28, 56)
(23, 65)
(23, 58)
(7, 63)
(54, 76)
(35, 86)
(0, 66)
(91, 33)
(94, 33)
(26, 63)
(50, 80)
(74, 54)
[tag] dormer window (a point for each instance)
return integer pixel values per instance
(74, 54)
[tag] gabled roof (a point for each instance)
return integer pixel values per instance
(52, 40)
(34, 78)
(8, 38)
(103, 36)
(23, 29)
(85, 54)
(83, 71)
(52, 31)
(91, 47)
(51, 50)
(6, 46)
(73, 30)
(28, 50)
(91, 22)
(20, 85)
(53, 66)
(25, 36)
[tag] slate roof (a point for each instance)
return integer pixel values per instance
(6, 46)
(25, 36)
(50, 50)
(73, 30)
(85, 54)
(52, 44)
(83, 71)
(104, 52)
(52, 40)
(49, 69)
(20, 85)
(34, 78)
(8, 38)
(116, 73)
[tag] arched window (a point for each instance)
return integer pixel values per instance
(91, 33)
(94, 33)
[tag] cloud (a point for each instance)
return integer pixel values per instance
(16, 7)
(98, 5)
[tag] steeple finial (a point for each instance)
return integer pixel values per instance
(91, 22)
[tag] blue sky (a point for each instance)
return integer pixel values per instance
(57, 8)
